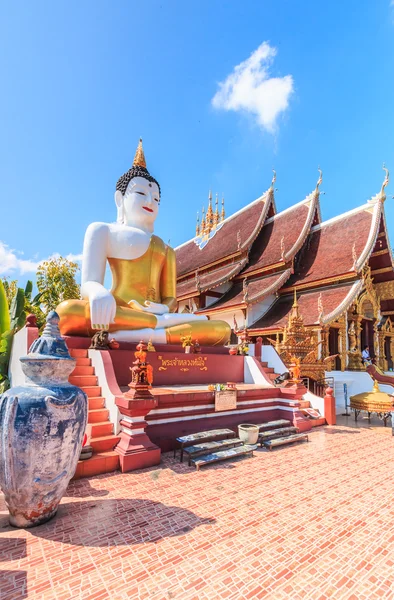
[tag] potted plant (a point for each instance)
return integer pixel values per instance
(186, 343)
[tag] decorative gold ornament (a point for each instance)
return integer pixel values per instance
(139, 158)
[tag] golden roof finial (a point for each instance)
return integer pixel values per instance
(320, 178)
(198, 225)
(202, 227)
(139, 158)
(386, 180)
(273, 178)
(295, 303)
(222, 214)
(216, 216)
(375, 386)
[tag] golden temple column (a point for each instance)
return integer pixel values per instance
(392, 348)
(343, 341)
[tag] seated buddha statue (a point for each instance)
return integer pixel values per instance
(142, 301)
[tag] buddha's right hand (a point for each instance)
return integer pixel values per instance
(102, 309)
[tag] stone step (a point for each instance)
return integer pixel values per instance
(272, 376)
(84, 362)
(96, 402)
(98, 415)
(79, 353)
(103, 462)
(269, 370)
(276, 433)
(99, 429)
(318, 422)
(264, 364)
(304, 403)
(208, 447)
(288, 439)
(104, 443)
(83, 381)
(92, 390)
(82, 370)
(214, 457)
(274, 424)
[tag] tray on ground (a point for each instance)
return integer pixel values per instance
(276, 433)
(273, 425)
(209, 447)
(282, 441)
(223, 455)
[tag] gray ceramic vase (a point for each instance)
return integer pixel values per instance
(41, 430)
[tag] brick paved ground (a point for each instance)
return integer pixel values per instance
(311, 521)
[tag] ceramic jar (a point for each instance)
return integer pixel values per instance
(41, 430)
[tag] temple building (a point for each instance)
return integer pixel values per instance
(317, 290)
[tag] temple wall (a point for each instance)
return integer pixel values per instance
(357, 382)
(255, 311)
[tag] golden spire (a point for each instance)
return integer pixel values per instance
(209, 217)
(216, 215)
(198, 225)
(295, 303)
(202, 228)
(386, 180)
(139, 158)
(222, 214)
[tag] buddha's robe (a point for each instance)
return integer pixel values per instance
(151, 277)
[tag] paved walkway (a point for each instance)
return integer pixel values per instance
(311, 521)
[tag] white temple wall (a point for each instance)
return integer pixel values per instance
(357, 382)
(255, 311)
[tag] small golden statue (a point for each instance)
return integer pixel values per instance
(150, 347)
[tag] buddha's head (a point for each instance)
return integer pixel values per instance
(137, 195)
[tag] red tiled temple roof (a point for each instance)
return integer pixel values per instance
(208, 280)
(282, 236)
(331, 249)
(236, 236)
(257, 290)
(334, 302)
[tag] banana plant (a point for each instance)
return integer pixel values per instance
(12, 319)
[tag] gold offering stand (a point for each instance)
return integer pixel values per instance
(374, 402)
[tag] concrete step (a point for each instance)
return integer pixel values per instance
(264, 364)
(100, 428)
(269, 370)
(318, 422)
(272, 376)
(228, 454)
(84, 362)
(92, 390)
(82, 370)
(304, 403)
(96, 402)
(83, 380)
(98, 415)
(288, 439)
(274, 424)
(104, 443)
(276, 433)
(103, 462)
(79, 353)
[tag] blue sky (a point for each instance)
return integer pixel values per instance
(83, 80)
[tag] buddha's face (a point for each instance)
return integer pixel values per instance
(140, 203)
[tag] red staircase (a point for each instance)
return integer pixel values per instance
(100, 430)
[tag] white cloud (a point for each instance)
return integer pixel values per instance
(250, 88)
(11, 262)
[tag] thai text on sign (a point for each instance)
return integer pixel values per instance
(184, 364)
(225, 400)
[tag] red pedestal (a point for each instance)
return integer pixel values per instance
(329, 407)
(135, 449)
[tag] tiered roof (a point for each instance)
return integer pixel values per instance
(263, 254)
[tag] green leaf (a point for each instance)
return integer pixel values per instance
(17, 305)
(37, 299)
(4, 311)
(28, 289)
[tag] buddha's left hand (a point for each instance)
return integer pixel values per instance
(151, 307)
